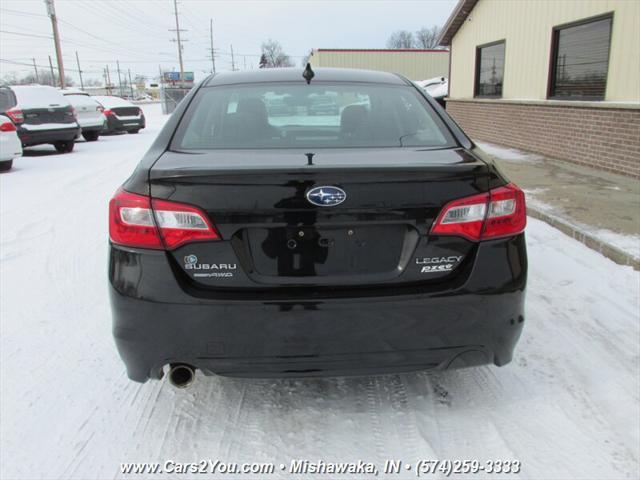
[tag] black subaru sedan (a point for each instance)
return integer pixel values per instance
(372, 239)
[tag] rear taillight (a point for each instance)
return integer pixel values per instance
(180, 224)
(498, 213)
(15, 115)
(133, 222)
(107, 112)
(7, 127)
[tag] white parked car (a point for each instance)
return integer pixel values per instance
(10, 144)
(88, 112)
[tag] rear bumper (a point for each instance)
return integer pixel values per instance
(10, 147)
(39, 137)
(157, 320)
(93, 127)
(115, 124)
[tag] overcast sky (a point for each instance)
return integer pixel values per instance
(135, 32)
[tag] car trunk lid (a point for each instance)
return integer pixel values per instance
(126, 111)
(62, 115)
(273, 236)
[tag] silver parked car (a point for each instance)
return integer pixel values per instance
(88, 112)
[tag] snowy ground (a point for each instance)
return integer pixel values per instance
(628, 243)
(567, 407)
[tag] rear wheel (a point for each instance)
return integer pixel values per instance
(6, 165)
(134, 131)
(65, 147)
(91, 136)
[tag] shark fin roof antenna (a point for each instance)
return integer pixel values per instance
(308, 73)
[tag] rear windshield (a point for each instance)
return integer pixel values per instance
(7, 99)
(79, 99)
(340, 115)
(112, 102)
(39, 97)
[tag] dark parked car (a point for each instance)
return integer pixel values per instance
(385, 242)
(122, 115)
(42, 115)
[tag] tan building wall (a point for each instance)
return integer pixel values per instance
(526, 25)
(414, 64)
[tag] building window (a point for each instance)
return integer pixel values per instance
(580, 60)
(489, 70)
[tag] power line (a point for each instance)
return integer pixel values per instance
(24, 14)
(26, 34)
(120, 45)
(81, 44)
(12, 62)
(116, 19)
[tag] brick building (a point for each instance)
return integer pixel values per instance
(558, 78)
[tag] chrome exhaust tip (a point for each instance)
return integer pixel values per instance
(181, 375)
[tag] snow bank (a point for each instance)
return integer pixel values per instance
(437, 87)
(629, 244)
(510, 154)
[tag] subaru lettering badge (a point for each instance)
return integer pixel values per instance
(326, 196)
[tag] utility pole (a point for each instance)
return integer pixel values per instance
(36, 70)
(130, 84)
(213, 55)
(119, 78)
(53, 76)
(108, 81)
(79, 71)
(51, 11)
(178, 39)
(233, 62)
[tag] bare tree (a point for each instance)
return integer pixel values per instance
(274, 56)
(427, 37)
(92, 82)
(10, 78)
(401, 39)
(44, 78)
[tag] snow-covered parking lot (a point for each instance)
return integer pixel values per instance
(568, 406)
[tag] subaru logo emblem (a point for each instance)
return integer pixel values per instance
(326, 196)
(190, 259)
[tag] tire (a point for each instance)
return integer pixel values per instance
(6, 165)
(91, 136)
(134, 131)
(65, 147)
